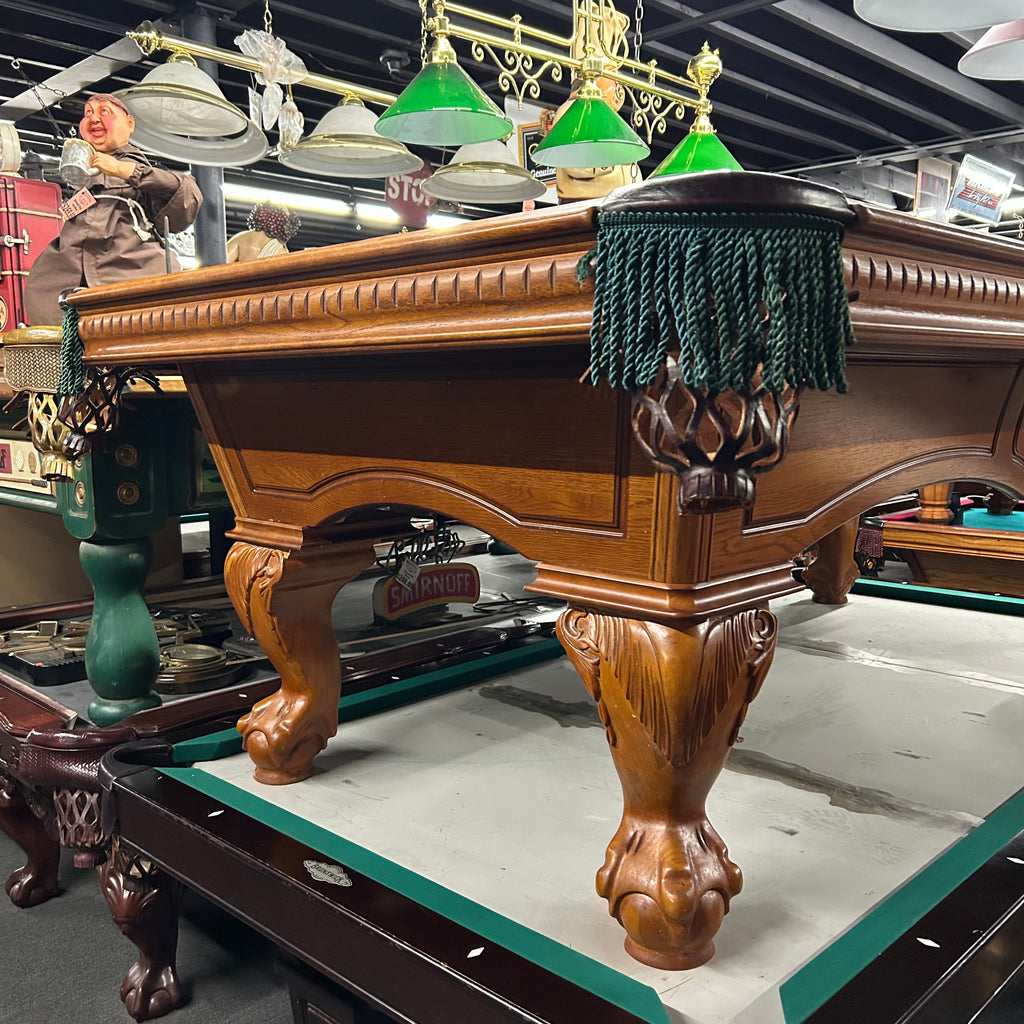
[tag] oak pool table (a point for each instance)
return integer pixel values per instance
(442, 370)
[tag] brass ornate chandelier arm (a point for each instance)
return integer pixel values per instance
(640, 79)
(150, 40)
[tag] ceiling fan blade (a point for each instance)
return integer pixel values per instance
(66, 83)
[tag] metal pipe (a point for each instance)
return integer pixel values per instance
(211, 221)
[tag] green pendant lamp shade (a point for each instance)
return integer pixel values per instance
(443, 106)
(590, 134)
(699, 151)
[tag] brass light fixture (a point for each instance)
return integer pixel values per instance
(483, 172)
(346, 144)
(180, 113)
(443, 106)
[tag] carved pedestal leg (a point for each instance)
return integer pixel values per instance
(933, 504)
(672, 700)
(122, 655)
(285, 601)
(831, 575)
(36, 882)
(144, 904)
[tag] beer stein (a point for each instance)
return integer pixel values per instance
(74, 163)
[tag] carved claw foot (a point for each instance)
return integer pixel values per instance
(144, 903)
(672, 699)
(31, 885)
(36, 881)
(148, 993)
(284, 599)
(282, 734)
(833, 573)
(669, 887)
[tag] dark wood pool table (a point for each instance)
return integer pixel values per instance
(442, 370)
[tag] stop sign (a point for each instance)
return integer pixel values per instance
(405, 198)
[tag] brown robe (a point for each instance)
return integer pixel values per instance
(100, 246)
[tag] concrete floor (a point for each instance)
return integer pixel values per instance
(885, 732)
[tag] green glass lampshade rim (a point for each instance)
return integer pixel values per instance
(591, 122)
(699, 151)
(443, 87)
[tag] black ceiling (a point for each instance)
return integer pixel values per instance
(807, 88)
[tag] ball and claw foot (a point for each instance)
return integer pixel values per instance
(148, 993)
(282, 736)
(669, 887)
(28, 887)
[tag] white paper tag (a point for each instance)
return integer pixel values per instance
(407, 574)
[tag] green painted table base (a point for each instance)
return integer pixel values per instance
(122, 655)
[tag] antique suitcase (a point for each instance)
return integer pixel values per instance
(29, 219)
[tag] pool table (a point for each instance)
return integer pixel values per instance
(442, 369)
(982, 553)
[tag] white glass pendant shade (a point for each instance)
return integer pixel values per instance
(182, 99)
(180, 113)
(483, 172)
(345, 144)
(998, 54)
(937, 15)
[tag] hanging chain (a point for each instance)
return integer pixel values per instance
(268, 20)
(638, 29)
(44, 106)
(423, 33)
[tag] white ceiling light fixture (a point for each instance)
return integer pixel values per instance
(483, 172)
(345, 144)
(998, 54)
(936, 15)
(181, 114)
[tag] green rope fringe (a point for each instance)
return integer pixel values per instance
(703, 283)
(72, 371)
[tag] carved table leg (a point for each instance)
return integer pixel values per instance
(671, 700)
(933, 503)
(36, 882)
(831, 575)
(144, 903)
(284, 599)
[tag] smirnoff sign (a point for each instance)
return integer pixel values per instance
(457, 582)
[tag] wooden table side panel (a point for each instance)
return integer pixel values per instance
(899, 427)
(538, 460)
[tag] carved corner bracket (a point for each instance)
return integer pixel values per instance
(715, 442)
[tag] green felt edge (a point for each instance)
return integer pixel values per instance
(619, 989)
(381, 698)
(817, 981)
(936, 595)
(633, 996)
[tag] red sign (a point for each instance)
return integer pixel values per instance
(405, 198)
(435, 584)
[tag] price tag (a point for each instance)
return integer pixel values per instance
(407, 574)
(80, 201)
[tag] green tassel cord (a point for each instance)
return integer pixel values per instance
(736, 293)
(72, 370)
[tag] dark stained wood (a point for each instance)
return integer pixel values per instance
(441, 370)
(36, 881)
(144, 904)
